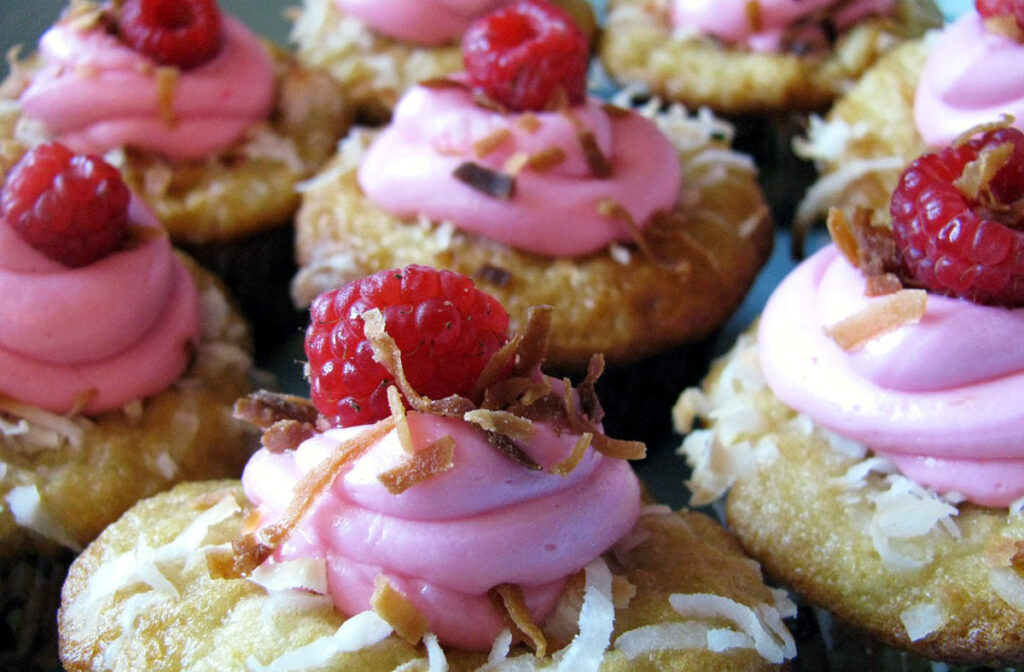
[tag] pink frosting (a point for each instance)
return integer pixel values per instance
(94, 93)
(426, 22)
(119, 329)
(448, 540)
(408, 172)
(971, 77)
(729, 21)
(941, 398)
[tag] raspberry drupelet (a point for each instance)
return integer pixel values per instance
(955, 241)
(529, 56)
(446, 329)
(72, 208)
(182, 33)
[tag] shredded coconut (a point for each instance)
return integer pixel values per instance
(34, 429)
(1008, 584)
(26, 508)
(829, 188)
(907, 511)
(308, 574)
(923, 619)
(362, 630)
(597, 618)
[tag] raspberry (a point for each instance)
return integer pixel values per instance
(990, 9)
(526, 55)
(959, 246)
(446, 328)
(70, 207)
(183, 33)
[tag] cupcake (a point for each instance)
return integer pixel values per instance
(867, 431)
(919, 97)
(119, 363)
(762, 57)
(378, 50)
(212, 126)
(120, 358)
(382, 528)
(642, 229)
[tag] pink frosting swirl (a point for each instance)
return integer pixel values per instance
(971, 76)
(940, 398)
(94, 93)
(730, 20)
(448, 540)
(426, 22)
(408, 171)
(119, 329)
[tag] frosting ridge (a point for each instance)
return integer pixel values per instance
(448, 540)
(94, 93)
(426, 22)
(732, 20)
(408, 171)
(119, 329)
(971, 76)
(947, 411)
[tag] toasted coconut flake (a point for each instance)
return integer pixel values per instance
(494, 275)
(607, 207)
(496, 366)
(614, 111)
(973, 181)
(514, 164)
(444, 83)
(587, 389)
(509, 601)
(166, 87)
(503, 394)
(923, 619)
(253, 549)
(755, 18)
(1004, 121)
(623, 591)
(511, 450)
(599, 164)
(401, 424)
(842, 235)
(565, 467)
(489, 182)
(529, 122)
(502, 422)
(883, 315)
(433, 460)
(614, 448)
(535, 340)
(394, 607)
(487, 144)
(263, 409)
(882, 285)
(359, 632)
(220, 563)
(286, 435)
(388, 354)
(546, 159)
(597, 619)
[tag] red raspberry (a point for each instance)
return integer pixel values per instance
(183, 33)
(524, 55)
(990, 9)
(956, 246)
(446, 329)
(70, 207)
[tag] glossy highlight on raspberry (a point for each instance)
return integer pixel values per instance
(530, 55)
(446, 329)
(72, 208)
(954, 244)
(182, 33)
